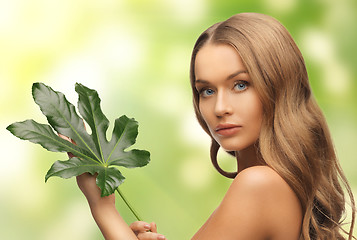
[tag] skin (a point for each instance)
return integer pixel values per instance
(105, 214)
(108, 219)
(259, 205)
(227, 96)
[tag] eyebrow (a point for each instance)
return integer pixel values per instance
(228, 78)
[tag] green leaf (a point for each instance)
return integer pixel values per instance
(109, 179)
(72, 167)
(89, 107)
(62, 116)
(44, 135)
(94, 153)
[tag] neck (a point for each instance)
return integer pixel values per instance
(248, 157)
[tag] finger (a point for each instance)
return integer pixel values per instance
(153, 227)
(150, 236)
(64, 137)
(70, 155)
(67, 138)
(140, 226)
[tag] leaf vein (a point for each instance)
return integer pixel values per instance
(116, 144)
(74, 130)
(96, 129)
(60, 143)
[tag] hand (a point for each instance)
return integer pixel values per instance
(146, 231)
(103, 209)
(87, 183)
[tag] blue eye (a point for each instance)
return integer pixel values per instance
(206, 92)
(240, 86)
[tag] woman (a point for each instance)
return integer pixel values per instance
(252, 96)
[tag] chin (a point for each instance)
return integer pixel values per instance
(235, 147)
(230, 148)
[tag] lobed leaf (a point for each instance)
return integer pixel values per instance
(62, 116)
(43, 134)
(108, 179)
(89, 108)
(72, 167)
(94, 153)
(131, 159)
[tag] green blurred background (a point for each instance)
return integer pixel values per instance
(136, 54)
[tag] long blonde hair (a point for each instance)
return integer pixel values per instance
(294, 138)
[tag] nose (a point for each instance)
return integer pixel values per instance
(223, 105)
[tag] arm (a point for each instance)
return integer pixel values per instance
(108, 219)
(258, 205)
(105, 214)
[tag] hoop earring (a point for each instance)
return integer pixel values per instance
(213, 153)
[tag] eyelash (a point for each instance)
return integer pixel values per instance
(201, 91)
(242, 82)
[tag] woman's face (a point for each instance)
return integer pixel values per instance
(228, 101)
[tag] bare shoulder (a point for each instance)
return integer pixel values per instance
(262, 182)
(267, 191)
(258, 205)
(262, 179)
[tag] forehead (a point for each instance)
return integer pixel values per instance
(217, 61)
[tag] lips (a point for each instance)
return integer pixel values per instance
(227, 129)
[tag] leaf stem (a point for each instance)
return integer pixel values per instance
(128, 204)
